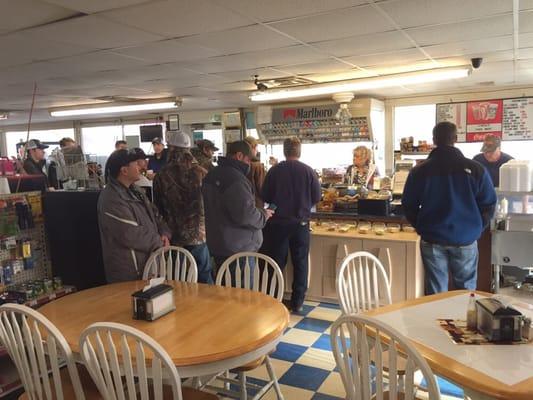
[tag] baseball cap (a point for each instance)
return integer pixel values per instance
(206, 144)
(178, 139)
(491, 143)
(35, 144)
(157, 140)
(240, 146)
(252, 141)
(121, 158)
(140, 152)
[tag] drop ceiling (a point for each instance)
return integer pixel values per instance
(206, 51)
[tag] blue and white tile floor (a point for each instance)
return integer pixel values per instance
(303, 360)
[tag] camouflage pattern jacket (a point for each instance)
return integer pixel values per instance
(203, 160)
(178, 196)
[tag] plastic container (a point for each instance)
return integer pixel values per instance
(516, 176)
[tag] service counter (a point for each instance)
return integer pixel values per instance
(399, 253)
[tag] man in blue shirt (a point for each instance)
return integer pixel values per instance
(293, 188)
(492, 158)
(449, 199)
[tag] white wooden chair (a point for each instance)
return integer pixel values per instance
(261, 275)
(174, 263)
(116, 358)
(357, 356)
(247, 275)
(362, 283)
(38, 350)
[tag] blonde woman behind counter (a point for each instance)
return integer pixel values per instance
(362, 171)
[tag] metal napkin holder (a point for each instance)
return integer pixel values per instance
(153, 301)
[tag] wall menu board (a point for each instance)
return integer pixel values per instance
(456, 113)
(510, 119)
(518, 119)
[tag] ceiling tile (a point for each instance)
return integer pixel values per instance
(95, 62)
(339, 76)
(94, 6)
(463, 31)
(169, 51)
(336, 25)
(525, 22)
(34, 72)
(411, 13)
(24, 47)
(248, 74)
(525, 40)
(267, 58)
(273, 10)
(317, 68)
(174, 18)
(474, 47)
(388, 58)
(96, 32)
(21, 14)
(365, 44)
(526, 5)
(240, 40)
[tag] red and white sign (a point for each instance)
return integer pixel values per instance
(483, 118)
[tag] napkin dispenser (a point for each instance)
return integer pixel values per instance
(498, 322)
(153, 301)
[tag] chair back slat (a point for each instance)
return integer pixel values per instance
(362, 283)
(129, 364)
(253, 271)
(174, 263)
(361, 345)
(38, 350)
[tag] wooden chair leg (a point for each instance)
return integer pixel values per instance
(273, 377)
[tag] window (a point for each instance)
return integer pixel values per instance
(215, 135)
(50, 137)
(518, 149)
(99, 142)
(320, 155)
(415, 121)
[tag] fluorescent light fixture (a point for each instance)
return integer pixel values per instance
(410, 78)
(113, 108)
(4, 115)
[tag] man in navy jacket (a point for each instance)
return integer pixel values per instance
(294, 188)
(449, 199)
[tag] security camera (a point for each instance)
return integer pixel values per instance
(476, 62)
(260, 85)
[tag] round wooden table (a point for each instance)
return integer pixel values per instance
(213, 328)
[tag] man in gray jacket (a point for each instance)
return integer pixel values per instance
(233, 222)
(130, 226)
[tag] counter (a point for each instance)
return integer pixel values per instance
(399, 253)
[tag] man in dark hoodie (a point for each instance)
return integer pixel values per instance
(449, 199)
(233, 222)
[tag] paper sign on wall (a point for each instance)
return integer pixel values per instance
(456, 113)
(518, 119)
(483, 118)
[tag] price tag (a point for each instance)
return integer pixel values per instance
(53, 296)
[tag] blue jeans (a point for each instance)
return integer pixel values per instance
(460, 261)
(233, 266)
(201, 255)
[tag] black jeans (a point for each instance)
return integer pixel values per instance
(277, 240)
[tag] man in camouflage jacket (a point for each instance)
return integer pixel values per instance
(178, 196)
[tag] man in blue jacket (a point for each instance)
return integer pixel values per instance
(294, 188)
(449, 199)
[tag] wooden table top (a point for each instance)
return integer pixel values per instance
(468, 377)
(210, 323)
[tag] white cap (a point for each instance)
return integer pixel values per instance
(178, 139)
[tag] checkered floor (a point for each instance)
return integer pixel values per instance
(303, 361)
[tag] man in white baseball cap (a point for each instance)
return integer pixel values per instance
(178, 196)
